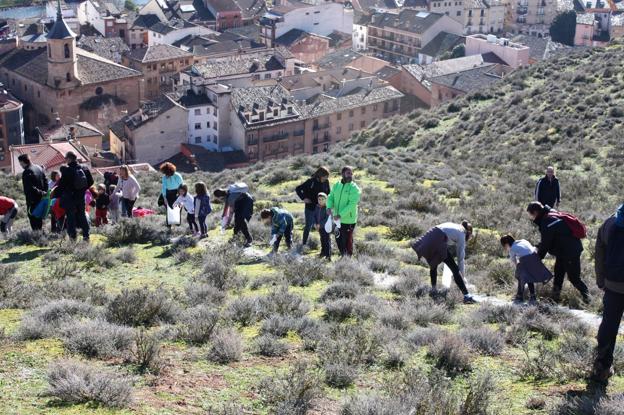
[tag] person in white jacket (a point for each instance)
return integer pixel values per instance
(129, 188)
(187, 201)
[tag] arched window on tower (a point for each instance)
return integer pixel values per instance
(66, 50)
(68, 77)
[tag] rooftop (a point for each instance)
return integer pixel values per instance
(291, 37)
(220, 6)
(145, 21)
(585, 19)
(470, 80)
(92, 69)
(191, 99)
(157, 53)
(443, 42)
(408, 20)
(48, 155)
(445, 67)
(149, 110)
(77, 130)
(173, 24)
(110, 48)
(265, 60)
(338, 59)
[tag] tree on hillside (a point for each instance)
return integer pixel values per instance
(563, 28)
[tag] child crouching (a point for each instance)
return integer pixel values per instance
(529, 267)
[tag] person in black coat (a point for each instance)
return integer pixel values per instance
(308, 192)
(75, 180)
(547, 190)
(557, 240)
(35, 188)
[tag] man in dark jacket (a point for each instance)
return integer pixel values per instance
(75, 180)
(35, 188)
(547, 190)
(308, 192)
(609, 266)
(558, 241)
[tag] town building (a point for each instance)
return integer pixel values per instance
(11, 127)
(444, 80)
(305, 47)
(532, 17)
(138, 33)
(192, 158)
(63, 82)
(240, 68)
(617, 25)
(307, 113)
(203, 117)
(484, 16)
(50, 156)
(34, 37)
(104, 17)
(313, 16)
(399, 37)
(158, 64)
(153, 133)
(512, 54)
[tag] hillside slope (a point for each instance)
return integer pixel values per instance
(171, 325)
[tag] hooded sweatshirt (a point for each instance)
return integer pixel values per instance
(282, 219)
(343, 200)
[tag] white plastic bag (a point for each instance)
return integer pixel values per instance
(329, 225)
(447, 277)
(173, 215)
(337, 223)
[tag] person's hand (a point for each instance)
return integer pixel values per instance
(273, 240)
(306, 200)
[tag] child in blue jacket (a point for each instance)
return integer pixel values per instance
(281, 222)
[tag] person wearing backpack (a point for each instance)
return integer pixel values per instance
(75, 180)
(35, 188)
(561, 235)
(609, 266)
(308, 192)
(342, 205)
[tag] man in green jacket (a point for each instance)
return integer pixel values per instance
(342, 204)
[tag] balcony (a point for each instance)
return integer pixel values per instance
(275, 137)
(299, 133)
(317, 127)
(522, 10)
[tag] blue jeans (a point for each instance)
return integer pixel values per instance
(310, 221)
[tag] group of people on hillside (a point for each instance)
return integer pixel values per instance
(334, 210)
(69, 197)
(328, 210)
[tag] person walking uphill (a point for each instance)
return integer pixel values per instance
(342, 204)
(35, 188)
(171, 182)
(558, 240)
(547, 190)
(434, 247)
(609, 266)
(281, 222)
(129, 188)
(308, 192)
(237, 204)
(75, 180)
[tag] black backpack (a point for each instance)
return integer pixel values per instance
(615, 254)
(80, 179)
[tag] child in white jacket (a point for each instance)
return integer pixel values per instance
(187, 201)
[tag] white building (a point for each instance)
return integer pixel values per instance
(174, 30)
(360, 33)
(314, 16)
(100, 15)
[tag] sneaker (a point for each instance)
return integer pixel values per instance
(469, 300)
(247, 244)
(3, 227)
